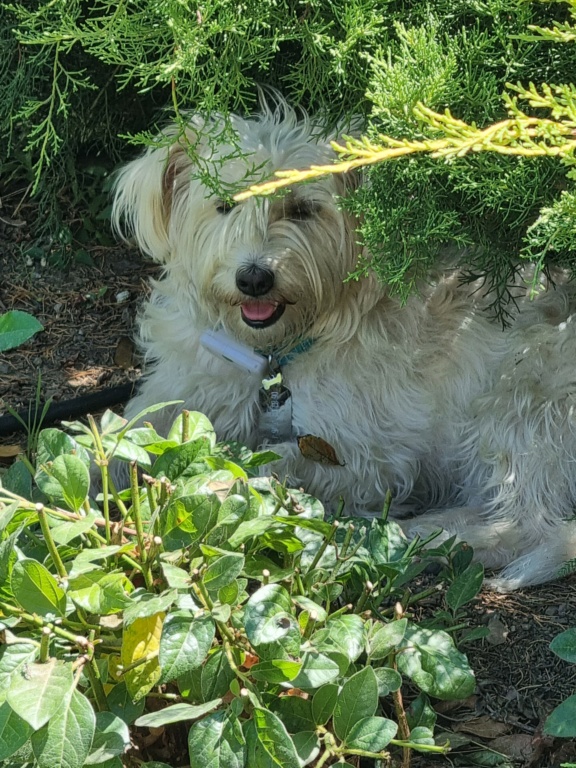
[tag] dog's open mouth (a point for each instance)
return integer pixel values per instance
(261, 314)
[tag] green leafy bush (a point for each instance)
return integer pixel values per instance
(208, 595)
(77, 74)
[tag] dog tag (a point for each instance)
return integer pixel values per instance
(275, 423)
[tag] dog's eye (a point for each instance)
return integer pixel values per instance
(302, 210)
(225, 206)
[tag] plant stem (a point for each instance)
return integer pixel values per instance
(46, 532)
(185, 426)
(13, 610)
(138, 663)
(93, 674)
(327, 539)
(137, 518)
(103, 463)
(387, 504)
(403, 726)
(420, 747)
(45, 645)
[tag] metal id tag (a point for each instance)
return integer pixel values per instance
(275, 423)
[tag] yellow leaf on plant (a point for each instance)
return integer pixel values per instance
(141, 643)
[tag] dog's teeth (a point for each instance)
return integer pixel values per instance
(258, 310)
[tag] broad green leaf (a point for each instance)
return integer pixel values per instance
(276, 670)
(99, 592)
(465, 586)
(223, 571)
(145, 604)
(564, 645)
(323, 703)
(199, 426)
(183, 461)
(219, 463)
(65, 532)
(256, 563)
(386, 542)
(228, 595)
(281, 541)
(562, 720)
(83, 561)
(344, 634)
(221, 612)
(429, 658)
(8, 558)
(372, 734)
(269, 622)
(141, 640)
(36, 590)
(16, 327)
(421, 713)
(307, 746)
(275, 739)
(317, 670)
(176, 713)
(251, 528)
(256, 755)
(188, 519)
(217, 741)
(176, 578)
(388, 680)
(37, 691)
(144, 436)
(357, 700)
(14, 731)
(18, 480)
(422, 735)
(295, 713)
(111, 738)
(309, 605)
(122, 705)
(261, 457)
(14, 660)
(66, 479)
(184, 644)
(53, 443)
(314, 525)
(386, 638)
(215, 676)
(111, 423)
(125, 450)
(66, 739)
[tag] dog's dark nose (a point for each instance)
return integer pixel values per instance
(254, 280)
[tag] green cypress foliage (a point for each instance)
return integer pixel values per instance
(77, 75)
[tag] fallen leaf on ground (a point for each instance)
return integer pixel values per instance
(483, 727)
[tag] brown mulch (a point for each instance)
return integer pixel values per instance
(88, 314)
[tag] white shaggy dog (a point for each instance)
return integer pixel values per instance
(430, 399)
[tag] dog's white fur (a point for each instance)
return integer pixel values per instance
(431, 399)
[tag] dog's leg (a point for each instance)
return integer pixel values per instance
(501, 545)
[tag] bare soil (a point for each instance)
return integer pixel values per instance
(88, 315)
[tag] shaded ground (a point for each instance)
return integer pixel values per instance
(88, 315)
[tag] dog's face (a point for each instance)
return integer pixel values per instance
(270, 271)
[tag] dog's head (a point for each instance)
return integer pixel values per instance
(270, 271)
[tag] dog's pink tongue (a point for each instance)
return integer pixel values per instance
(258, 310)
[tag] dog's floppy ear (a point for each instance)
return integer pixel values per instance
(144, 191)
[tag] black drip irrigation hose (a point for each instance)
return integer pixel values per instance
(67, 409)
